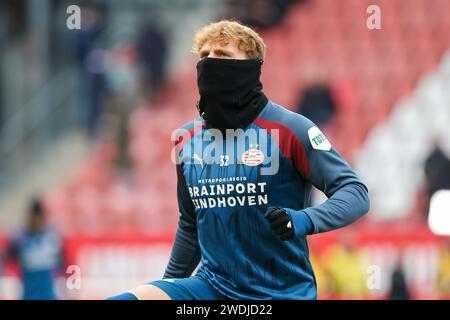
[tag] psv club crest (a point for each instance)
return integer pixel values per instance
(252, 157)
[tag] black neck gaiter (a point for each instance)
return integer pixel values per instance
(230, 92)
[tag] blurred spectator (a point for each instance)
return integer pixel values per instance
(443, 272)
(153, 54)
(38, 251)
(437, 172)
(1, 89)
(2, 40)
(399, 286)
(90, 61)
(345, 266)
(260, 14)
(317, 102)
(323, 279)
(123, 82)
(13, 16)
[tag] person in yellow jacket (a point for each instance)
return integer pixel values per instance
(443, 273)
(346, 267)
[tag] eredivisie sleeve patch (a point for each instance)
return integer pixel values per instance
(318, 139)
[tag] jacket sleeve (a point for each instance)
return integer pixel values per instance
(185, 254)
(324, 167)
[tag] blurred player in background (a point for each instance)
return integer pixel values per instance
(248, 228)
(38, 251)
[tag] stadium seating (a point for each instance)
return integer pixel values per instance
(406, 138)
(369, 70)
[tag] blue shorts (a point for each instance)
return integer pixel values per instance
(192, 288)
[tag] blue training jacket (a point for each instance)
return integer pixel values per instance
(40, 258)
(226, 185)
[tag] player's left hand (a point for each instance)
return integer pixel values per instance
(280, 223)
